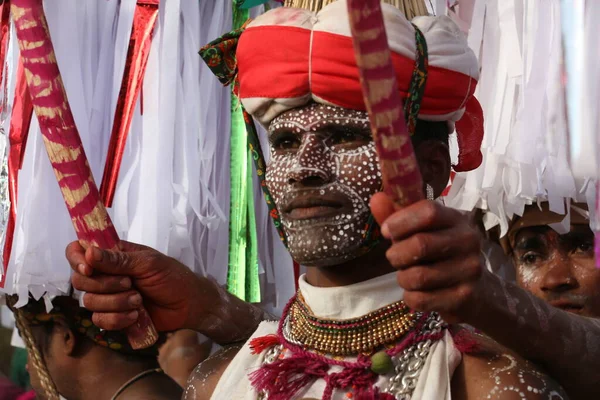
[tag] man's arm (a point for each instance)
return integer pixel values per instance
(437, 253)
(230, 320)
(116, 283)
(494, 372)
(564, 344)
(205, 377)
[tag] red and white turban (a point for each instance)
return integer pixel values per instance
(288, 57)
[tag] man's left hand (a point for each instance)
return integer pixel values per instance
(437, 252)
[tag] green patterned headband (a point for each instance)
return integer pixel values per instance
(79, 320)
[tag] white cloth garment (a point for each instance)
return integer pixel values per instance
(343, 303)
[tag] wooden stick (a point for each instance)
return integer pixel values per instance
(399, 167)
(63, 144)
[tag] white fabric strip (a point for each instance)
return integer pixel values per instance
(173, 188)
(525, 146)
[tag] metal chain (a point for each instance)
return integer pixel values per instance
(410, 362)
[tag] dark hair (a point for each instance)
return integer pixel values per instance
(78, 320)
(42, 334)
(430, 130)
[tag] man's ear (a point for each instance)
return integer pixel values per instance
(433, 157)
(64, 339)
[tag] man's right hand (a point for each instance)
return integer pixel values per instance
(115, 283)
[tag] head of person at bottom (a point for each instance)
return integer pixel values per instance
(558, 267)
(85, 363)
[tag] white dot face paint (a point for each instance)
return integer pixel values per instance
(531, 383)
(559, 269)
(322, 173)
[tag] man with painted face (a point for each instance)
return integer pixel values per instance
(349, 331)
(558, 267)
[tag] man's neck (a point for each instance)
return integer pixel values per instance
(106, 373)
(368, 266)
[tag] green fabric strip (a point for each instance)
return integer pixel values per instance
(242, 275)
(252, 282)
(246, 4)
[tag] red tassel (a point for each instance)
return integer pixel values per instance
(465, 342)
(260, 344)
(373, 393)
(284, 378)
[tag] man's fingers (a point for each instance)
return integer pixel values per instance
(426, 247)
(86, 261)
(112, 303)
(446, 301)
(424, 215)
(440, 275)
(115, 321)
(101, 284)
(75, 254)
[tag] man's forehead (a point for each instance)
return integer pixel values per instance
(314, 113)
(545, 230)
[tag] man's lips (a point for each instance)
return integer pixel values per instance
(568, 305)
(313, 207)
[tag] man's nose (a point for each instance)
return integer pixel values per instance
(312, 165)
(559, 276)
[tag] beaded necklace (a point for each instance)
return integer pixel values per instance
(289, 365)
(362, 335)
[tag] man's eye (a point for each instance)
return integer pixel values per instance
(286, 142)
(344, 137)
(347, 136)
(530, 258)
(585, 247)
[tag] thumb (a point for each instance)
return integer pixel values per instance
(108, 261)
(382, 207)
(129, 246)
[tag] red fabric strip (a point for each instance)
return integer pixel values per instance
(4, 34)
(19, 129)
(140, 43)
(4, 38)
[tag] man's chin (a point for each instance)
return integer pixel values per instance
(323, 259)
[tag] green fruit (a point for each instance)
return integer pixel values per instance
(381, 363)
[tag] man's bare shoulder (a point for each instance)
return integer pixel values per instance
(206, 375)
(494, 372)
